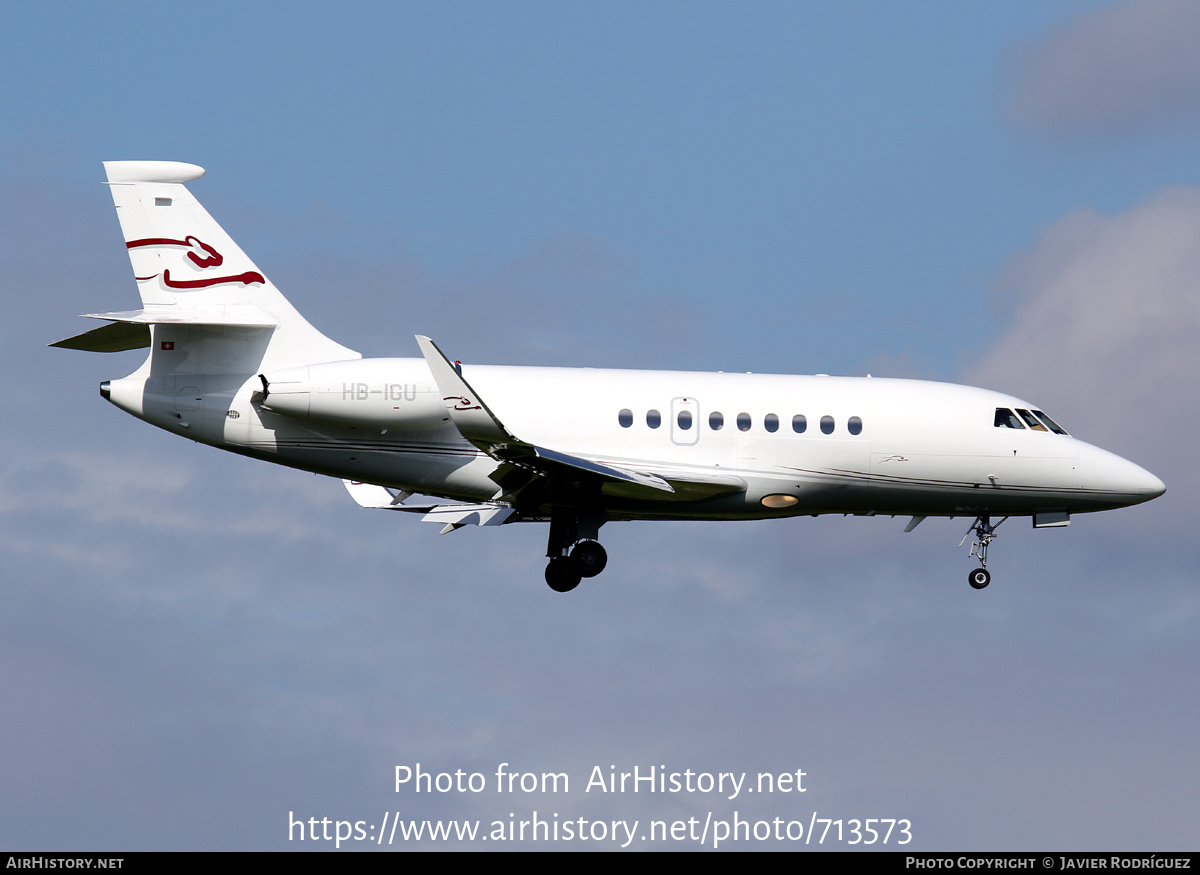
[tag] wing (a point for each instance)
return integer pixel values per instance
(479, 425)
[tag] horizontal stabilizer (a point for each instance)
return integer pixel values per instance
(130, 329)
(246, 316)
(117, 337)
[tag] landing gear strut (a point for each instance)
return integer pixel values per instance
(984, 533)
(573, 549)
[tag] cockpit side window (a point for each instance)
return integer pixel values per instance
(1005, 418)
(1031, 420)
(1050, 423)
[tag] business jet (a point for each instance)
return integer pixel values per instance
(232, 364)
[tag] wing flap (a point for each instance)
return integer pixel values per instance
(469, 514)
(370, 495)
(610, 472)
(694, 483)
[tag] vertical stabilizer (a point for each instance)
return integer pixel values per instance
(187, 267)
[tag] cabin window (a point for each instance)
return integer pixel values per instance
(799, 423)
(827, 424)
(854, 425)
(771, 423)
(653, 418)
(1050, 423)
(684, 419)
(1031, 420)
(716, 420)
(743, 422)
(1005, 418)
(625, 417)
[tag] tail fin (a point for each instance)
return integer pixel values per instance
(190, 271)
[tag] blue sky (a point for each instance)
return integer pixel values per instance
(826, 169)
(995, 193)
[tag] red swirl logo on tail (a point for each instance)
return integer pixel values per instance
(245, 279)
(200, 254)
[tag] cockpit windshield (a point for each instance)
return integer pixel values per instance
(1030, 420)
(1005, 418)
(1035, 420)
(1050, 423)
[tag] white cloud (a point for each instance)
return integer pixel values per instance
(1106, 317)
(1122, 68)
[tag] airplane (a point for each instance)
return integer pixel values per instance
(232, 364)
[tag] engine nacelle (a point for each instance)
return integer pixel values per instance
(375, 393)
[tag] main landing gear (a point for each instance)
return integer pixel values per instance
(984, 533)
(573, 549)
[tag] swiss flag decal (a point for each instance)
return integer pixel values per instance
(168, 344)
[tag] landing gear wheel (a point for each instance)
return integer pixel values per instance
(589, 557)
(979, 578)
(562, 574)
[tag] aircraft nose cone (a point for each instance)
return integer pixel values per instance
(1155, 487)
(1126, 483)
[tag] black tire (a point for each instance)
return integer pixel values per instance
(979, 578)
(562, 574)
(589, 557)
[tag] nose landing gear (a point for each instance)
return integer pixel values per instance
(984, 533)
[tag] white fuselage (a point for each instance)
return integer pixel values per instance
(800, 444)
